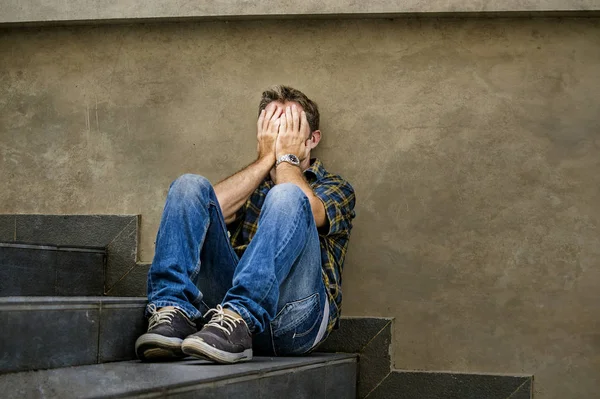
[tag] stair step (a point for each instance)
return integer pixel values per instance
(46, 269)
(117, 235)
(51, 332)
(315, 376)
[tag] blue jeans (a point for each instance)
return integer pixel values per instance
(276, 286)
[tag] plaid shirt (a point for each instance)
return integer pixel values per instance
(338, 197)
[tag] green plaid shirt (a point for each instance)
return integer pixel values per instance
(338, 197)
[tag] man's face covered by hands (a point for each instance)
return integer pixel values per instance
(283, 128)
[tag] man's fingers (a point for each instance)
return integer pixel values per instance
(289, 118)
(277, 113)
(274, 117)
(282, 124)
(270, 110)
(261, 120)
(295, 119)
(275, 126)
(304, 123)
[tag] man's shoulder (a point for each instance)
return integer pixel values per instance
(323, 176)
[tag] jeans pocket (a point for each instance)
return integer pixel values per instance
(296, 326)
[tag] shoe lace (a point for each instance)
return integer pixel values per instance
(221, 320)
(159, 316)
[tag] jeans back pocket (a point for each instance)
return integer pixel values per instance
(295, 327)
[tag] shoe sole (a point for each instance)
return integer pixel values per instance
(158, 347)
(196, 347)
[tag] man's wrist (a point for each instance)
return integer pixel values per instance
(289, 158)
(285, 165)
(268, 158)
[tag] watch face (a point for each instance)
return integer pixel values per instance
(294, 159)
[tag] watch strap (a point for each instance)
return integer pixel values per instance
(289, 158)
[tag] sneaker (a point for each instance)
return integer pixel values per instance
(166, 330)
(224, 339)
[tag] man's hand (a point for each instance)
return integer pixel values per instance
(267, 130)
(293, 133)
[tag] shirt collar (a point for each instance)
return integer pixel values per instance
(315, 169)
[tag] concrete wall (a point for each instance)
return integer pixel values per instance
(473, 146)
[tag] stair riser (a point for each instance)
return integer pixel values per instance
(49, 332)
(29, 270)
(116, 235)
(337, 381)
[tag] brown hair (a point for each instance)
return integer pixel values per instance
(286, 93)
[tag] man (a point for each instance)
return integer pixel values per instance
(261, 252)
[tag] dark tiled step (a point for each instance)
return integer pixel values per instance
(50, 332)
(46, 270)
(407, 384)
(117, 234)
(318, 376)
(371, 337)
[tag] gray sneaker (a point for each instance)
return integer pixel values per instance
(167, 329)
(224, 339)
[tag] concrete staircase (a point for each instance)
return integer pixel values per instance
(62, 338)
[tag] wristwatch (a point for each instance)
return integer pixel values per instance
(289, 158)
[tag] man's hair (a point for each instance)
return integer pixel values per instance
(286, 93)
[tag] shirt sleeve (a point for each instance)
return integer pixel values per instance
(338, 198)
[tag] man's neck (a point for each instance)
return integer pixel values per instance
(305, 164)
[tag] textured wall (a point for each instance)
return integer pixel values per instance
(473, 146)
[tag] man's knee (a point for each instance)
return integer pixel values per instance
(190, 185)
(286, 196)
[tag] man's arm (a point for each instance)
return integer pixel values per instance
(293, 134)
(287, 173)
(233, 192)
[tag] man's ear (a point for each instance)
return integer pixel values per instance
(314, 139)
